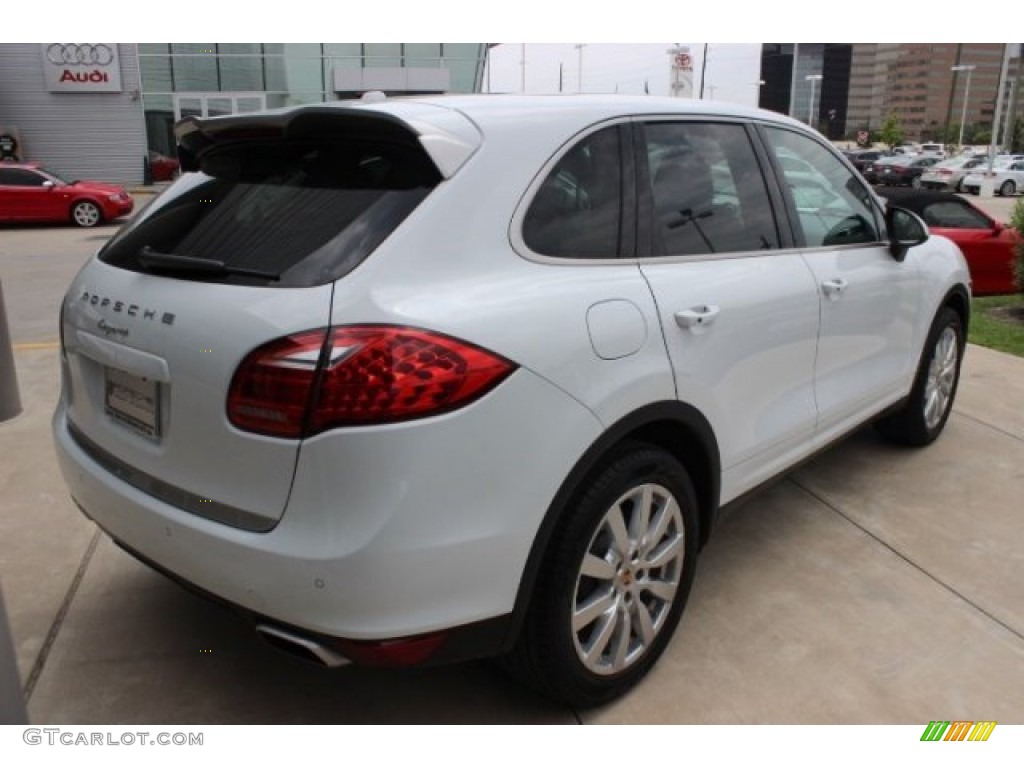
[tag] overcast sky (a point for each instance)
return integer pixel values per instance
(731, 75)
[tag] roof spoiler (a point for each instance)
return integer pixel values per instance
(446, 148)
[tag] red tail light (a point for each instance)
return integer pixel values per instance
(313, 381)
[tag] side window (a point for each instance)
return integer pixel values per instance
(833, 206)
(577, 212)
(953, 215)
(18, 177)
(708, 192)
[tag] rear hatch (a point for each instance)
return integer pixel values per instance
(241, 252)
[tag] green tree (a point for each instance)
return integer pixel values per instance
(1017, 222)
(891, 132)
(952, 134)
(1017, 138)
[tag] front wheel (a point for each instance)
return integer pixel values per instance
(1008, 188)
(86, 214)
(615, 580)
(924, 415)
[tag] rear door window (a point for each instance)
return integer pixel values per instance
(707, 190)
(288, 213)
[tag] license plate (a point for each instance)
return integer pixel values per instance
(133, 401)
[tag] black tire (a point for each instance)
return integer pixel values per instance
(1008, 188)
(86, 214)
(924, 415)
(622, 603)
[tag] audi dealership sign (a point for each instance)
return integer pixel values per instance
(82, 67)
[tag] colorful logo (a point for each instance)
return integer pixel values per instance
(958, 730)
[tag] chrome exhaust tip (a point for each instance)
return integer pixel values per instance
(301, 646)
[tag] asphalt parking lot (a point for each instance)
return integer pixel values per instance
(873, 585)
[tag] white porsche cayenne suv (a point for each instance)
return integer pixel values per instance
(418, 381)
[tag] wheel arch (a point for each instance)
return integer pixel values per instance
(677, 428)
(958, 299)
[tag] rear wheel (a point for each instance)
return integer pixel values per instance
(924, 415)
(617, 575)
(86, 214)
(1008, 188)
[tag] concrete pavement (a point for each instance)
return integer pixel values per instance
(873, 585)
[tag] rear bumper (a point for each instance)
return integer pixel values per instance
(362, 552)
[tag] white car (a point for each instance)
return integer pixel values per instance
(948, 175)
(422, 380)
(1007, 177)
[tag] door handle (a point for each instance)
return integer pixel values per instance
(833, 288)
(697, 316)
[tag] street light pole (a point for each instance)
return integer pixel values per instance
(810, 111)
(579, 82)
(968, 68)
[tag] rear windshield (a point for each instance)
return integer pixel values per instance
(280, 213)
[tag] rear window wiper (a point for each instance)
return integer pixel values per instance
(174, 262)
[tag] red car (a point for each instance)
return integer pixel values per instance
(161, 167)
(987, 245)
(29, 192)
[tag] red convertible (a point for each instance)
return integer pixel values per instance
(987, 245)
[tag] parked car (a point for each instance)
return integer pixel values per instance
(1007, 178)
(399, 414)
(866, 157)
(987, 244)
(949, 174)
(31, 193)
(161, 167)
(932, 150)
(897, 171)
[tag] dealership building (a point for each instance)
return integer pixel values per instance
(97, 110)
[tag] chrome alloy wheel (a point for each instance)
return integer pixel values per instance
(628, 578)
(938, 389)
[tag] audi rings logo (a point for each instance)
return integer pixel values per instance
(80, 54)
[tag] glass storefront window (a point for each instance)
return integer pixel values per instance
(228, 78)
(423, 55)
(465, 61)
(195, 67)
(294, 67)
(382, 54)
(241, 66)
(275, 100)
(156, 71)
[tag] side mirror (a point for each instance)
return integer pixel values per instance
(997, 228)
(906, 229)
(48, 184)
